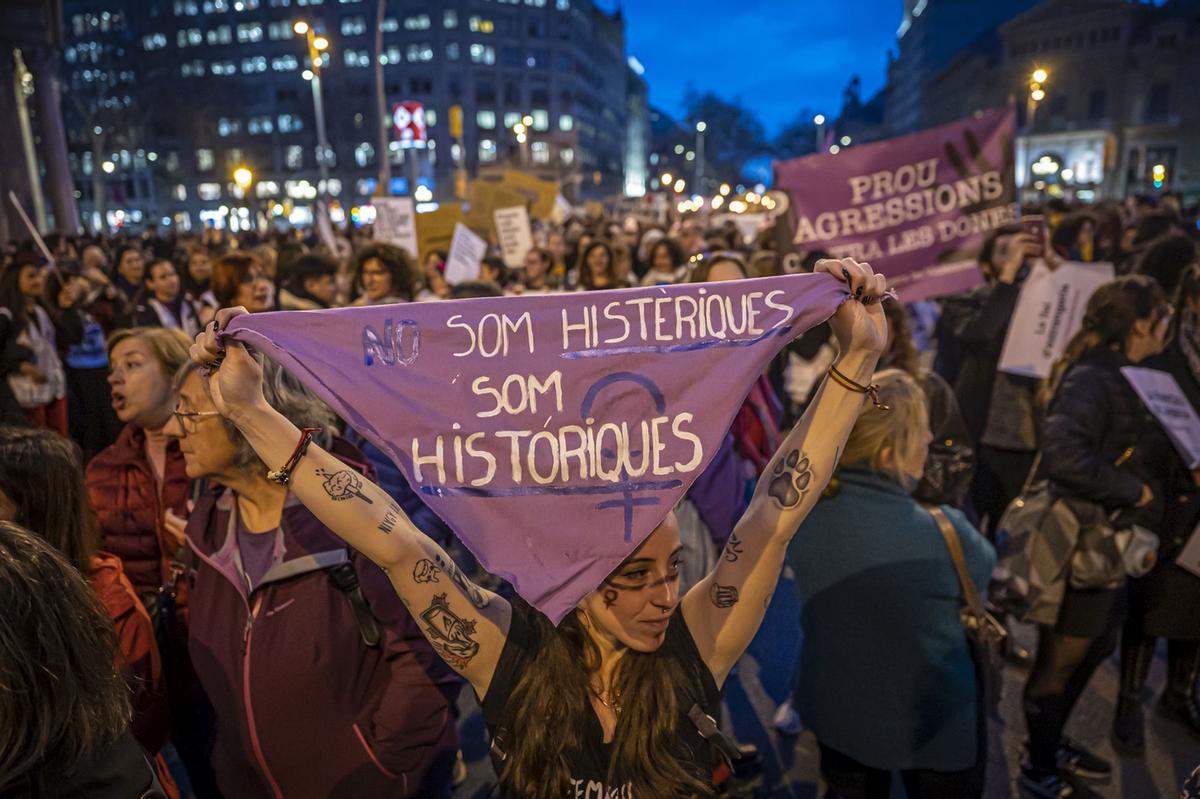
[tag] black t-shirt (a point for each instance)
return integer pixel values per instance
(589, 766)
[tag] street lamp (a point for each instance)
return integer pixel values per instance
(819, 121)
(666, 179)
(317, 45)
(521, 130)
(243, 178)
(1037, 93)
(701, 126)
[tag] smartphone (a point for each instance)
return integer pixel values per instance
(1035, 225)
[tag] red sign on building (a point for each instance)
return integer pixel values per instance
(408, 119)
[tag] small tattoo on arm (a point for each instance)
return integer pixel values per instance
(451, 635)
(723, 596)
(425, 572)
(390, 517)
(791, 478)
(477, 597)
(733, 548)
(343, 485)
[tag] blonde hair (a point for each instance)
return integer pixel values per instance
(168, 345)
(902, 430)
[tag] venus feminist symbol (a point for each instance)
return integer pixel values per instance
(627, 487)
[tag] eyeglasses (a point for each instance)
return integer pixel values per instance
(188, 420)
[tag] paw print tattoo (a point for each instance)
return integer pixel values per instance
(790, 480)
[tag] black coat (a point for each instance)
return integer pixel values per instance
(1167, 599)
(12, 355)
(1094, 419)
(981, 321)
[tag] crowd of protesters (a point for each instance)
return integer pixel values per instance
(172, 620)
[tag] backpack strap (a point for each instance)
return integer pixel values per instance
(345, 578)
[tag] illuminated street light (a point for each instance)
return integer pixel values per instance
(519, 128)
(1037, 95)
(321, 43)
(819, 119)
(700, 126)
(301, 27)
(109, 167)
(845, 141)
(834, 149)
(527, 121)
(678, 149)
(243, 177)
(665, 179)
(1040, 75)
(680, 185)
(724, 189)
(307, 74)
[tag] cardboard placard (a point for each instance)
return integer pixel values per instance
(435, 229)
(515, 235)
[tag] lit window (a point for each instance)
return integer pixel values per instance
(223, 68)
(541, 119)
(215, 6)
(285, 63)
(290, 123)
(567, 155)
(566, 122)
(420, 52)
(256, 64)
(188, 37)
(260, 125)
(204, 160)
(449, 20)
(452, 51)
(389, 25)
(485, 119)
(357, 58)
(430, 117)
(391, 56)
(179, 192)
(420, 22)
(364, 154)
(511, 118)
(480, 25)
(266, 188)
(279, 30)
(228, 127)
(353, 26)
(154, 41)
(249, 32)
(537, 3)
(562, 5)
(295, 157)
(183, 8)
(487, 151)
(192, 69)
(220, 35)
(541, 152)
(209, 191)
(483, 54)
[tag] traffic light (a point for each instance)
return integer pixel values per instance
(1159, 174)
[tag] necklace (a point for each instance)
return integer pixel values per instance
(614, 706)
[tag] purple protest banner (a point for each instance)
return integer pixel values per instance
(553, 433)
(917, 208)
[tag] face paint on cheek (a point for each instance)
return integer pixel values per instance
(610, 597)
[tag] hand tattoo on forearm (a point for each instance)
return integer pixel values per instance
(733, 548)
(343, 485)
(451, 635)
(723, 596)
(790, 479)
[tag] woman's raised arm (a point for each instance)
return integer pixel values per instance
(465, 624)
(725, 609)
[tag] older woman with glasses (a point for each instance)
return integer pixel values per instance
(321, 681)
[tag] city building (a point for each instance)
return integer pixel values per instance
(33, 149)
(1116, 111)
(169, 97)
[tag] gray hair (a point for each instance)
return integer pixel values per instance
(285, 394)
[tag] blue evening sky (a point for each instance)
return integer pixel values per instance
(778, 56)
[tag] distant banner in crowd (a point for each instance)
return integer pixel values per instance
(1049, 311)
(1162, 395)
(916, 207)
(553, 433)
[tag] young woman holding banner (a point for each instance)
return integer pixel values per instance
(619, 698)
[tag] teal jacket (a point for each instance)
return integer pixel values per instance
(886, 674)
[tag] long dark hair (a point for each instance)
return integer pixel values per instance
(41, 475)
(1111, 314)
(63, 698)
(10, 291)
(585, 272)
(552, 702)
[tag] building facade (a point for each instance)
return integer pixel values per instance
(182, 92)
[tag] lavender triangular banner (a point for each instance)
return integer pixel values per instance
(552, 432)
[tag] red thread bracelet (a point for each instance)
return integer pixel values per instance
(284, 475)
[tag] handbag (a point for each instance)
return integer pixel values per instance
(985, 635)
(161, 607)
(948, 472)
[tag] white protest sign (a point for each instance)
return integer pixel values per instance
(466, 251)
(1049, 311)
(516, 237)
(396, 223)
(1166, 400)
